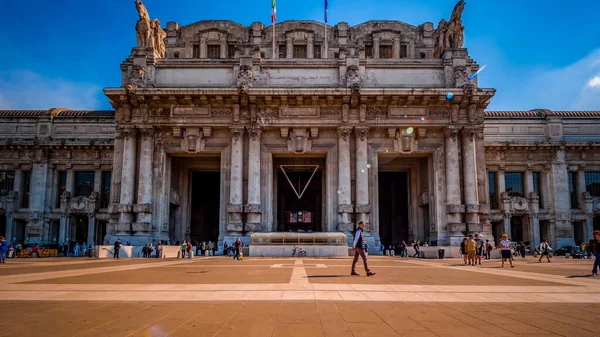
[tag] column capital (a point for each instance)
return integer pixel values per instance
(255, 133)
(469, 133)
(361, 132)
(451, 132)
(129, 132)
(237, 132)
(344, 132)
(147, 131)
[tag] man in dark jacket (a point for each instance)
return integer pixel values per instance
(594, 247)
(117, 248)
(359, 249)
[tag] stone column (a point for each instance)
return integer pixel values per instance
(37, 191)
(236, 179)
(11, 205)
(310, 47)
(562, 195)
(528, 181)
(363, 207)
(289, 48)
(344, 180)
(253, 207)
(128, 174)
(91, 228)
(143, 207)
(375, 47)
(17, 184)
(588, 208)
(396, 48)
(470, 179)
(223, 49)
(581, 188)
(203, 48)
(454, 206)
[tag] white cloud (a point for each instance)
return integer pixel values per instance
(569, 88)
(594, 82)
(27, 90)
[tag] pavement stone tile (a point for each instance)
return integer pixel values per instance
(298, 329)
(372, 329)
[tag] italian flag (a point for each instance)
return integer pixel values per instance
(273, 12)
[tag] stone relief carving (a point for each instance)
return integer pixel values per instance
(374, 112)
(243, 88)
(245, 72)
(158, 37)
(363, 208)
(352, 73)
(460, 72)
(345, 208)
(361, 133)
(174, 197)
(131, 88)
(221, 112)
(355, 89)
(439, 112)
(252, 208)
(330, 112)
(345, 113)
(344, 132)
(137, 75)
(234, 208)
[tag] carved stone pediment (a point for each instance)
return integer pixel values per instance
(518, 204)
(299, 139)
(82, 204)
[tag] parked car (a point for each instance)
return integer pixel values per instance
(574, 251)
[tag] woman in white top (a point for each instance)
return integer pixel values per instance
(506, 246)
(545, 250)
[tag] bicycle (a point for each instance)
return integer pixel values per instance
(298, 252)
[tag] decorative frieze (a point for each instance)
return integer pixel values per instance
(455, 209)
(252, 208)
(142, 208)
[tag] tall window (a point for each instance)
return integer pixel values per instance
(195, 51)
(105, 190)
(537, 187)
(61, 186)
(493, 190)
(25, 186)
(385, 52)
(299, 52)
(84, 183)
(403, 51)
(369, 51)
(282, 51)
(317, 51)
(514, 184)
(592, 183)
(573, 189)
(213, 51)
(231, 51)
(7, 182)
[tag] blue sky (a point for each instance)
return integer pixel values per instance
(539, 54)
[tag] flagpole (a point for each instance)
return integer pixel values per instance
(274, 40)
(325, 31)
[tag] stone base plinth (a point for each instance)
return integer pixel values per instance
(311, 251)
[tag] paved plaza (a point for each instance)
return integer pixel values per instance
(216, 296)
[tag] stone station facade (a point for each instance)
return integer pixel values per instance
(206, 124)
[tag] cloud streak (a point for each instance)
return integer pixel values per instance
(27, 90)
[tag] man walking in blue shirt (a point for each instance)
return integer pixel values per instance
(359, 246)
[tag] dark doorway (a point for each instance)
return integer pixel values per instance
(3, 227)
(497, 231)
(578, 229)
(304, 213)
(544, 230)
(393, 207)
(516, 228)
(597, 223)
(205, 206)
(79, 228)
(100, 231)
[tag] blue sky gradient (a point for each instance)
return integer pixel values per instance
(539, 54)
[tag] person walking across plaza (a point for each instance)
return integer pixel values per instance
(471, 250)
(237, 249)
(117, 248)
(545, 250)
(594, 248)
(505, 247)
(479, 250)
(359, 246)
(3, 249)
(463, 249)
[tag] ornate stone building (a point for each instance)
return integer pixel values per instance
(216, 135)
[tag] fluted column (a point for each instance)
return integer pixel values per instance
(203, 48)
(128, 174)
(91, 232)
(289, 48)
(143, 207)
(375, 47)
(470, 179)
(396, 48)
(454, 206)
(310, 48)
(363, 207)
(344, 180)
(236, 179)
(253, 207)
